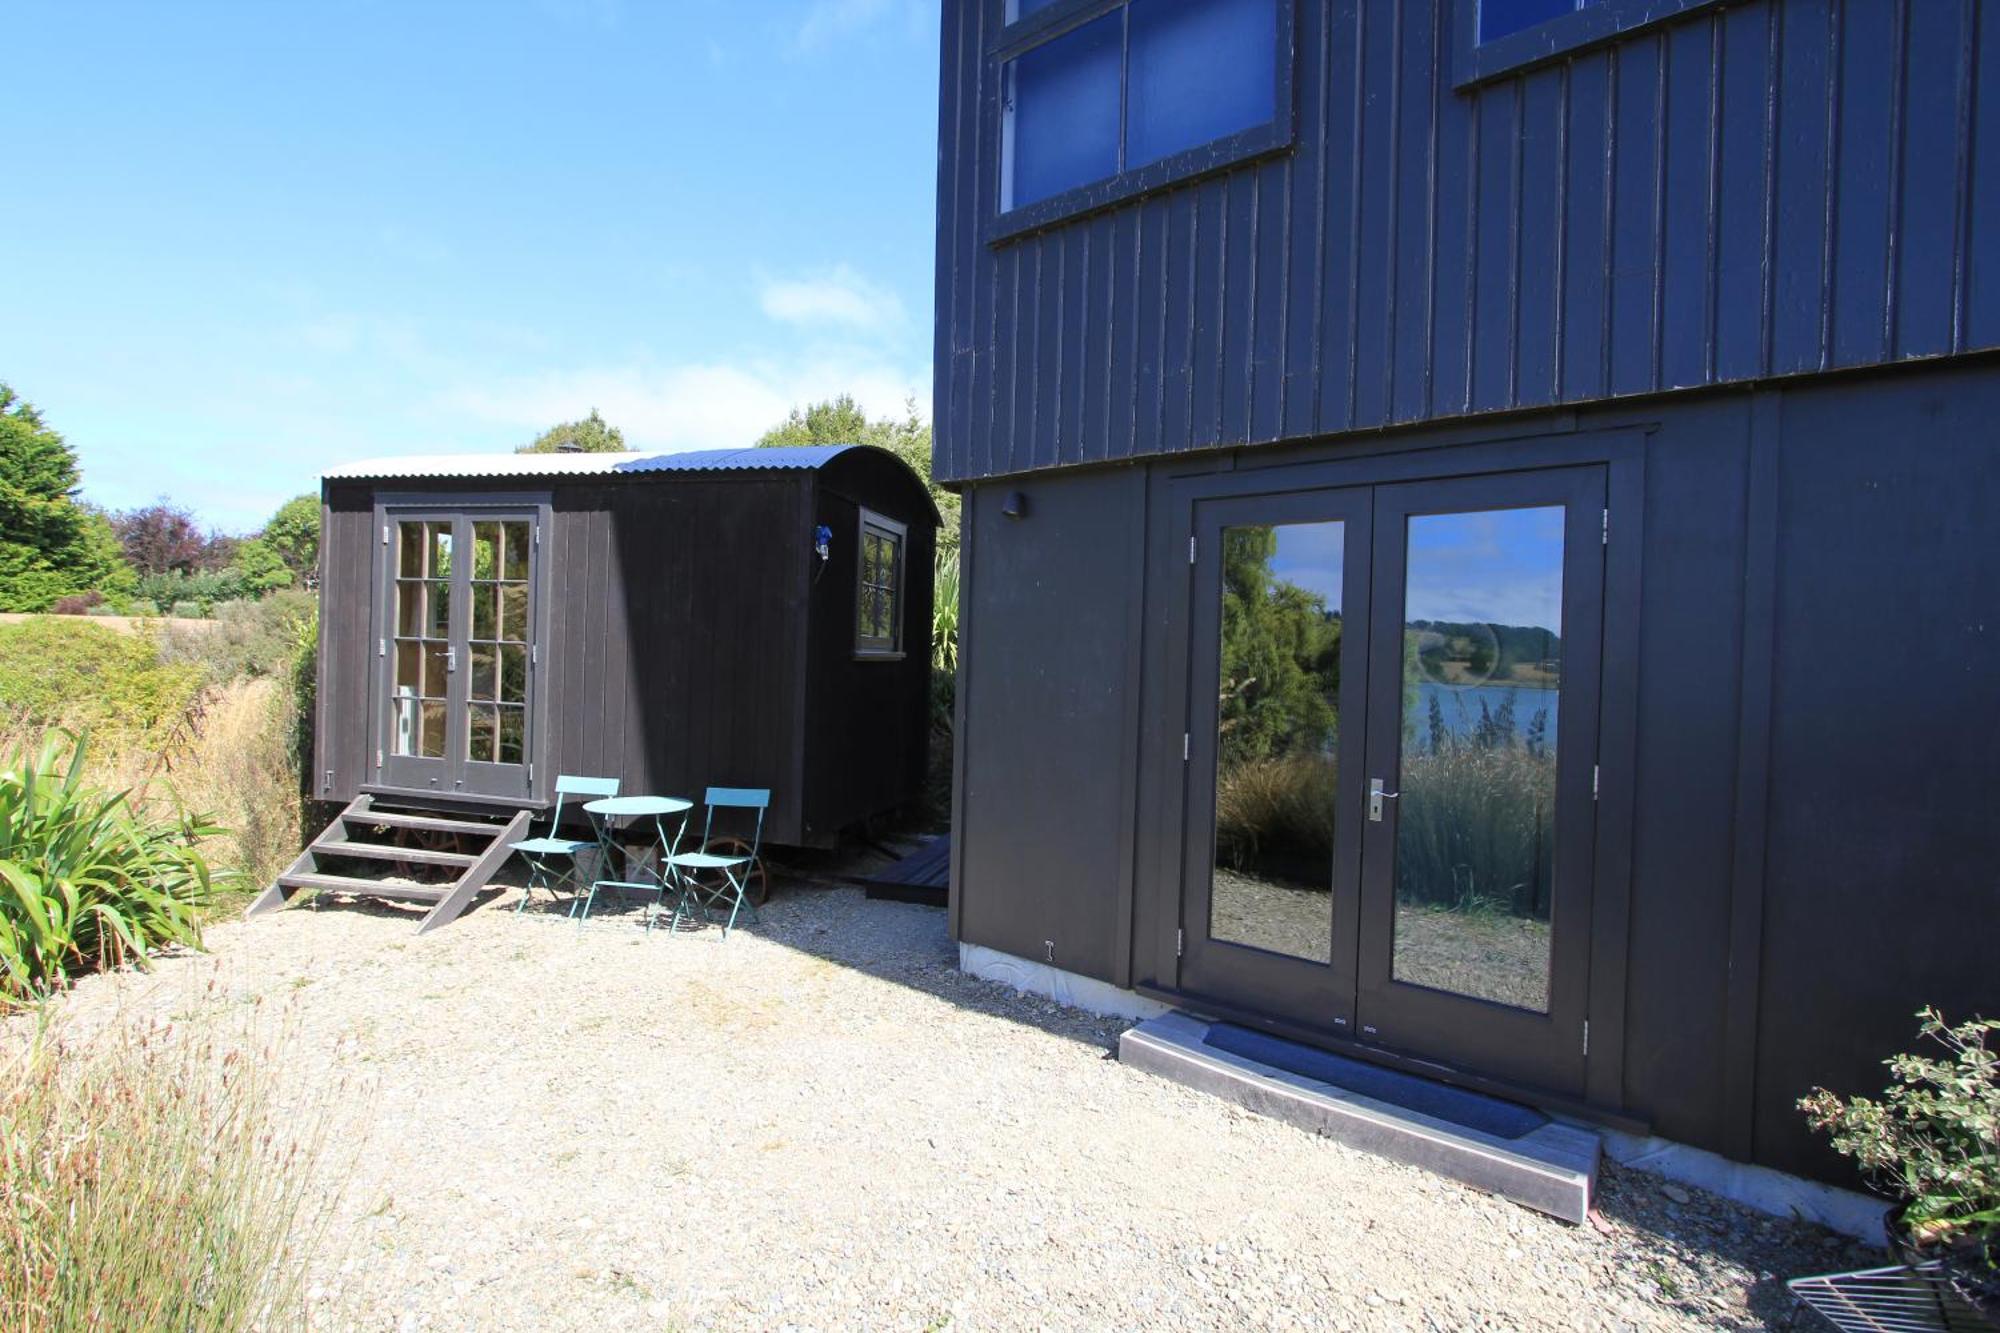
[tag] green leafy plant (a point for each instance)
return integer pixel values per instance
(1932, 1140)
(85, 880)
(944, 613)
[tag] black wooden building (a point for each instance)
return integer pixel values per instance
(1480, 542)
(729, 617)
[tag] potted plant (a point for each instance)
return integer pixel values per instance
(1932, 1143)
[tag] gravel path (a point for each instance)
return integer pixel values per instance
(821, 1123)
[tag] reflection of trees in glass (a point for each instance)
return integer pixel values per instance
(1280, 656)
(1278, 717)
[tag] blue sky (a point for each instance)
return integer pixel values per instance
(247, 241)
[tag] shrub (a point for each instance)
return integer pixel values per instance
(1282, 807)
(1932, 1141)
(190, 596)
(86, 881)
(150, 1179)
(74, 674)
(245, 638)
(77, 603)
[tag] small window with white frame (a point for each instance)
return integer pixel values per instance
(878, 618)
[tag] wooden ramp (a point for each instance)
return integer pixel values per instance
(924, 876)
(416, 856)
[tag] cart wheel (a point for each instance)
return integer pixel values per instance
(756, 880)
(427, 840)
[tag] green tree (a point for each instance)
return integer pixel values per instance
(293, 532)
(840, 420)
(260, 567)
(1280, 656)
(591, 435)
(50, 546)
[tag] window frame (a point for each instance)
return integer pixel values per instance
(1597, 22)
(869, 649)
(1065, 16)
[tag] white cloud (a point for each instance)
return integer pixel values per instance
(690, 406)
(839, 297)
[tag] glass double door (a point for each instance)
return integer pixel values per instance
(457, 652)
(1391, 752)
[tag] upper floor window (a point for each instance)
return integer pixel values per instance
(1102, 98)
(878, 619)
(1497, 37)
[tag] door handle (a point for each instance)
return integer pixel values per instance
(1376, 797)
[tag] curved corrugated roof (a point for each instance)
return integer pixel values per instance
(776, 459)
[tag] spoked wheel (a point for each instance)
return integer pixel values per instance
(427, 840)
(756, 879)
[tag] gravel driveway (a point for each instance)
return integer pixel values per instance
(821, 1123)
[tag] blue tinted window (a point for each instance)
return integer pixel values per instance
(1063, 111)
(1200, 70)
(1497, 18)
(1020, 9)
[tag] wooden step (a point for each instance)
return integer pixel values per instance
(382, 851)
(428, 823)
(370, 888)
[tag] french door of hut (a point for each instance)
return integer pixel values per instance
(458, 606)
(1392, 733)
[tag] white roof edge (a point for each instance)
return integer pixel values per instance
(480, 465)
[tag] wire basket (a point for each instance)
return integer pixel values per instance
(1904, 1299)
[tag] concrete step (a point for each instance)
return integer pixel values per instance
(1544, 1165)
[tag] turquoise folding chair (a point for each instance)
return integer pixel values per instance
(708, 880)
(540, 853)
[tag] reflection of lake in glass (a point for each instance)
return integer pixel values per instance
(1459, 706)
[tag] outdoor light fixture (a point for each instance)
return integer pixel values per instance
(1015, 505)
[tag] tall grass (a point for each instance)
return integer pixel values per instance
(153, 1179)
(1475, 830)
(1281, 808)
(87, 881)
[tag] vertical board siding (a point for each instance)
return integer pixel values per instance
(1763, 188)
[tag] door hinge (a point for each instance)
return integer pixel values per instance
(381, 647)
(1586, 1036)
(1187, 746)
(1190, 550)
(1180, 942)
(385, 534)
(534, 654)
(378, 759)
(1595, 774)
(1607, 527)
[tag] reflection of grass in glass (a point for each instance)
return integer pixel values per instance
(1476, 830)
(1281, 806)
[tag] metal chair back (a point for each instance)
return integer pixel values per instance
(736, 798)
(589, 789)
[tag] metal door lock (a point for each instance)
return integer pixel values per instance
(1376, 796)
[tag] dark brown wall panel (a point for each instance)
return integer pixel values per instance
(1755, 189)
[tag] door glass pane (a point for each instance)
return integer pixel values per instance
(514, 612)
(436, 623)
(441, 550)
(1278, 738)
(1062, 111)
(432, 721)
(1475, 823)
(513, 675)
(486, 550)
(484, 675)
(513, 730)
(485, 614)
(514, 563)
(1201, 70)
(479, 738)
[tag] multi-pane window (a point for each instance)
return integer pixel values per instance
(423, 637)
(497, 697)
(1498, 37)
(878, 619)
(1123, 85)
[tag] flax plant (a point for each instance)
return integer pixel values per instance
(86, 881)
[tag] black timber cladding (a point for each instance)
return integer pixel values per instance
(1751, 190)
(680, 608)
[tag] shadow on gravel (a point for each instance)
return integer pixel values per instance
(1695, 1230)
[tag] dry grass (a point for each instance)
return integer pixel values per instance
(154, 1178)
